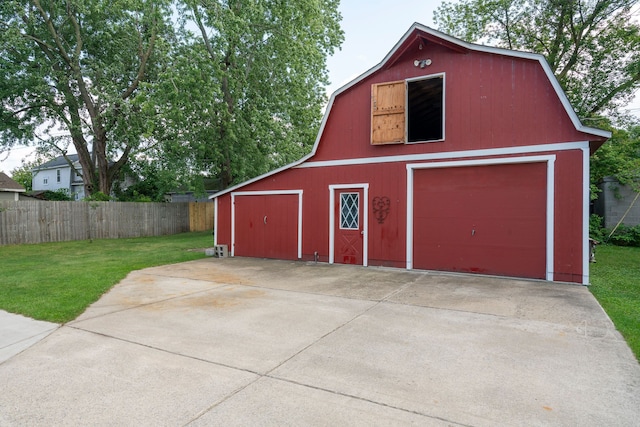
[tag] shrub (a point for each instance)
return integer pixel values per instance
(622, 236)
(98, 196)
(596, 231)
(58, 195)
(626, 236)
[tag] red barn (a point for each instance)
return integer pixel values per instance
(445, 156)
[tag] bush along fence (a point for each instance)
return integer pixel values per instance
(42, 221)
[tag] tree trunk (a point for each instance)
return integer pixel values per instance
(88, 168)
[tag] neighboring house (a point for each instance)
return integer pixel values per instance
(445, 156)
(9, 189)
(617, 202)
(57, 174)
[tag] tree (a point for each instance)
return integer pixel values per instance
(244, 93)
(619, 158)
(23, 175)
(592, 46)
(152, 183)
(78, 67)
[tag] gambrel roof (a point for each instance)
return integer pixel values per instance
(427, 34)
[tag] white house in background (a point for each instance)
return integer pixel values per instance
(57, 174)
(9, 189)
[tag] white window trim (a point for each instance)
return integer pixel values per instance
(365, 219)
(550, 208)
(340, 210)
(260, 193)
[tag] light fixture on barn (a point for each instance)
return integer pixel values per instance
(422, 63)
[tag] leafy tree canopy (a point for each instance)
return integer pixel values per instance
(592, 46)
(225, 88)
(619, 158)
(245, 89)
(152, 181)
(23, 176)
(75, 68)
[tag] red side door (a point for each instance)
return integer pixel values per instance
(349, 237)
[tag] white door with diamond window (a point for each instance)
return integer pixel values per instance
(349, 226)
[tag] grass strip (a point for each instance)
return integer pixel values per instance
(56, 282)
(615, 282)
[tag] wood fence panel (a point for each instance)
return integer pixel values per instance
(200, 216)
(29, 221)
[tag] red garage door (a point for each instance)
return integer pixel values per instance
(266, 226)
(488, 219)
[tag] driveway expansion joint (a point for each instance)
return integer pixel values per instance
(360, 346)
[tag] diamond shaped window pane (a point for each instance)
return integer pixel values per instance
(349, 203)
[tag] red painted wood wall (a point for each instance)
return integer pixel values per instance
(491, 101)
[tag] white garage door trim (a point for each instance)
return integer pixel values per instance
(548, 159)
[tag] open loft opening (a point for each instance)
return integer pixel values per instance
(408, 111)
(425, 121)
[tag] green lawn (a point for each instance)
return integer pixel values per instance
(615, 282)
(57, 281)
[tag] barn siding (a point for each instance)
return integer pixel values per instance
(496, 106)
(568, 217)
(491, 102)
(387, 241)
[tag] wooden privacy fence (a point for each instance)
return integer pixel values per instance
(200, 216)
(41, 221)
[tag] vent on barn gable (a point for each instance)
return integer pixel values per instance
(408, 111)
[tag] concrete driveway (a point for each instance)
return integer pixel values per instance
(258, 342)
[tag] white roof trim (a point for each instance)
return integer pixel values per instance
(470, 46)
